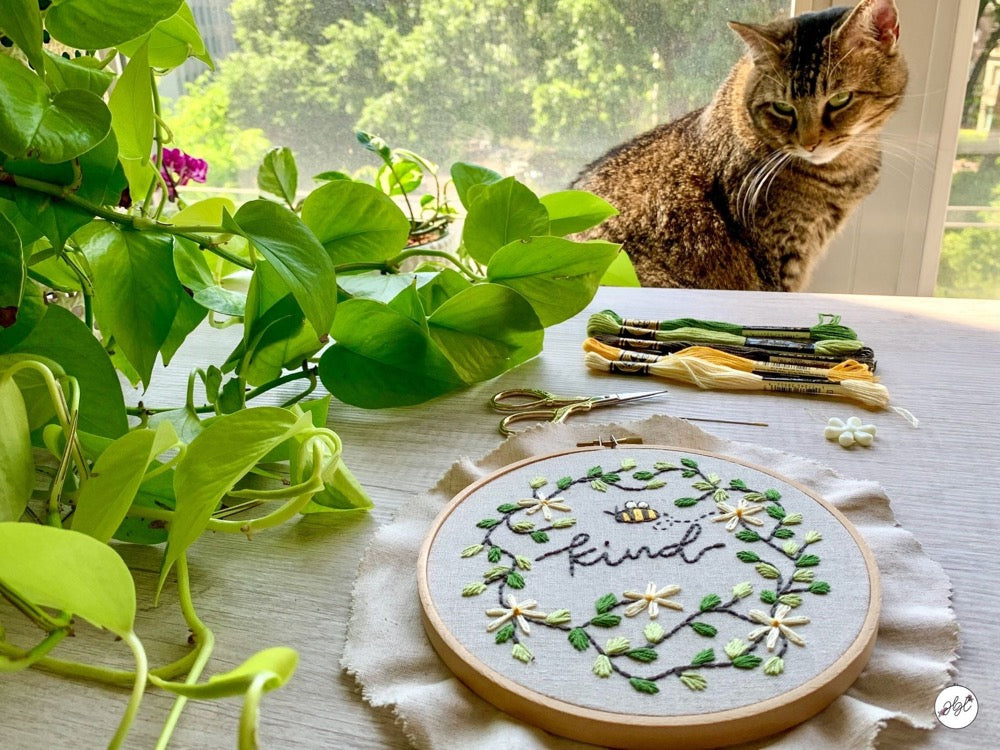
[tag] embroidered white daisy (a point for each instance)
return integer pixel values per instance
(777, 625)
(544, 504)
(742, 512)
(651, 600)
(519, 612)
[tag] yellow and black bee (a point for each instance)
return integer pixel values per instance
(635, 512)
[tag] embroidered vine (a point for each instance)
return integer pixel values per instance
(756, 518)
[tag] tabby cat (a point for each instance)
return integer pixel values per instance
(748, 192)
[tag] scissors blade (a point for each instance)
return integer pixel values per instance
(620, 398)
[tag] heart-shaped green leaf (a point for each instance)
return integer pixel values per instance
(278, 174)
(17, 464)
(501, 213)
(77, 73)
(467, 176)
(21, 21)
(99, 24)
(575, 210)
(131, 105)
(35, 560)
(171, 41)
(50, 128)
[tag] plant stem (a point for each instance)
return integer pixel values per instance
(250, 712)
(138, 688)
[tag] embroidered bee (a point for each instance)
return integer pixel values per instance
(634, 512)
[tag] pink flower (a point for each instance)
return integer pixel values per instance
(180, 168)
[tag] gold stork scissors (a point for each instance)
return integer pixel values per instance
(530, 404)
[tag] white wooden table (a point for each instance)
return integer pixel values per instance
(292, 586)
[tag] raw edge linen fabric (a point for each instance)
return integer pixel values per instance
(914, 651)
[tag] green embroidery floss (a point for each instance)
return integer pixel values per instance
(828, 327)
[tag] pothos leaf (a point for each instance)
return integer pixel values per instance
(17, 465)
(276, 665)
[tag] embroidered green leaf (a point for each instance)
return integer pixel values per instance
(594, 471)
(663, 466)
(776, 511)
(563, 523)
(688, 473)
(598, 485)
(540, 536)
(766, 570)
(655, 484)
(558, 617)
(505, 633)
(523, 526)
(768, 597)
(611, 478)
(508, 508)
(803, 576)
(487, 523)
(772, 495)
(579, 639)
(747, 661)
(494, 554)
(710, 602)
(606, 620)
(736, 647)
(743, 590)
(790, 548)
(474, 589)
(642, 476)
(644, 655)
(746, 535)
(522, 562)
(602, 666)
(807, 561)
(703, 657)
(515, 580)
(564, 483)
(747, 556)
(820, 587)
(497, 571)
(538, 482)
(644, 686)
(685, 502)
(791, 519)
(628, 464)
(754, 497)
(605, 603)
(693, 680)
(783, 533)
(521, 653)
(792, 600)
(774, 666)
(615, 646)
(720, 496)
(704, 628)
(702, 485)
(472, 551)
(654, 632)
(813, 536)
(737, 484)
(689, 462)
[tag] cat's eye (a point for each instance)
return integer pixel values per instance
(783, 108)
(839, 101)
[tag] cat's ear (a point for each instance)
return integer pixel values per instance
(760, 40)
(872, 20)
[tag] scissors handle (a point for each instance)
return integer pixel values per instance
(556, 415)
(529, 399)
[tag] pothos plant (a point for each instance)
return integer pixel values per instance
(330, 285)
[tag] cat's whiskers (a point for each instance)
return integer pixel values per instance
(759, 181)
(748, 184)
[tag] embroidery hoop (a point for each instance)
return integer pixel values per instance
(634, 723)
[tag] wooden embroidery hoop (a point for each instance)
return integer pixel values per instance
(631, 730)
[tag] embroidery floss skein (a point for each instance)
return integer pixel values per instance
(602, 323)
(828, 328)
(709, 375)
(846, 370)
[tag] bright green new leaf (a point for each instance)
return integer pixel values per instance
(575, 210)
(131, 105)
(37, 125)
(382, 358)
(78, 73)
(278, 663)
(215, 461)
(557, 276)
(99, 24)
(68, 571)
(404, 177)
(134, 280)
(502, 212)
(172, 41)
(107, 494)
(64, 338)
(13, 273)
(21, 21)
(341, 493)
(296, 255)
(355, 222)
(279, 175)
(486, 330)
(17, 464)
(621, 272)
(467, 176)
(193, 272)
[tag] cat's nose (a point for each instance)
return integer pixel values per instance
(810, 147)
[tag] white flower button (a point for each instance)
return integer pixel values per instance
(850, 432)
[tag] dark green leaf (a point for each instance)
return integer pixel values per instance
(783, 533)
(644, 686)
(807, 561)
(737, 484)
(51, 128)
(355, 222)
(768, 597)
(703, 657)
(819, 587)
(29, 312)
(611, 478)
(605, 603)
(502, 213)
(689, 462)
(643, 476)
(487, 523)
(703, 628)
(710, 602)
(594, 471)
(279, 175)
(772, 495)
(540, 536)
(505, 633)
(645, 655)
(685, 502)
(776, 511)
(99, 24)
(606, 620)
(21, 21)
(508, 508)
(515, 580)
(747, 661)
(747, 556)
(573, 211)
(564, 482)
(579, 639)
(13, 273)
(557, 276)
(746, 535)
(494, 554)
